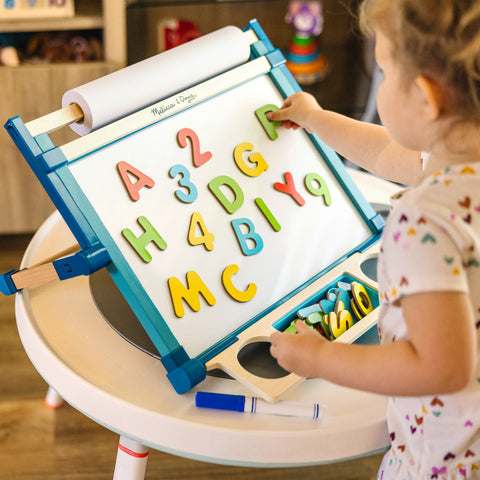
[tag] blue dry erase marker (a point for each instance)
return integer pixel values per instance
(240, 403)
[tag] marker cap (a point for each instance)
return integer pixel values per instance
(234, 403)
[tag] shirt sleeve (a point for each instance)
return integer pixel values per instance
(419, 255)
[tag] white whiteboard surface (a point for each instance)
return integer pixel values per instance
(312, 236)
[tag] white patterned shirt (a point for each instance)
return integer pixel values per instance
(431, 242)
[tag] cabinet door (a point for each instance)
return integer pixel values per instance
(30, 92)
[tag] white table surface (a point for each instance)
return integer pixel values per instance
(124, 389)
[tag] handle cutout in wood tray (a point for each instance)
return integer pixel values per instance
(350, 283)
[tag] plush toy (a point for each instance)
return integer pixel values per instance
(57, 49)
(86, 49)
(9, 56)
(61, 47)
(9, 49)
(305, 59)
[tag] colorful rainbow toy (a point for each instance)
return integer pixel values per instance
(305, 58)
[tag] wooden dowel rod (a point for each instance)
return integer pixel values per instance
(55, 120)
(251, 35)
(41, 272)
(34, 276)
(68, 251)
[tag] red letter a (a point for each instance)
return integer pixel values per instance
(125, 169)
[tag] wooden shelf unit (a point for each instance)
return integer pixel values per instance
(31, 91)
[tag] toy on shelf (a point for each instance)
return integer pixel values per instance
(9, 51)
(50, 47)
(305, 59)
(62, 47)
(175, 32)
(9, 56)
(34, 9)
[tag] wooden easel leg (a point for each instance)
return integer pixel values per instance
(131, 461)
(53, 399)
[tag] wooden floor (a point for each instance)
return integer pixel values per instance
(39, 443)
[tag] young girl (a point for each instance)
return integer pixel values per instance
(429, 262)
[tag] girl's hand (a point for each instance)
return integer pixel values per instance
(295, 111)
(300, 353)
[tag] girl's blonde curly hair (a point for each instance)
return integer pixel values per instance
(439, 39)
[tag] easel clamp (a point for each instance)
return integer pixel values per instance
(83, 262)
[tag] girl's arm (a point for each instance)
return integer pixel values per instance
(438, 358)
(367, 145)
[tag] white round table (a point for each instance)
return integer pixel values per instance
(125, 389)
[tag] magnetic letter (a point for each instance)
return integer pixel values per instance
(139, 243)
(289, 187)
(256, 158)
(184, 182)
(206, 238)
(229, 206)
(267, 125)
(125, 170)
(190, 294)
(268, 214)
(249, 235)
(198, 157)
(322, 187)
(236, 294)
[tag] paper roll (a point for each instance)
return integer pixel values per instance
(125, 91)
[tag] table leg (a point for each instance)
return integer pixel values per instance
(53, 399)
(131, 461)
